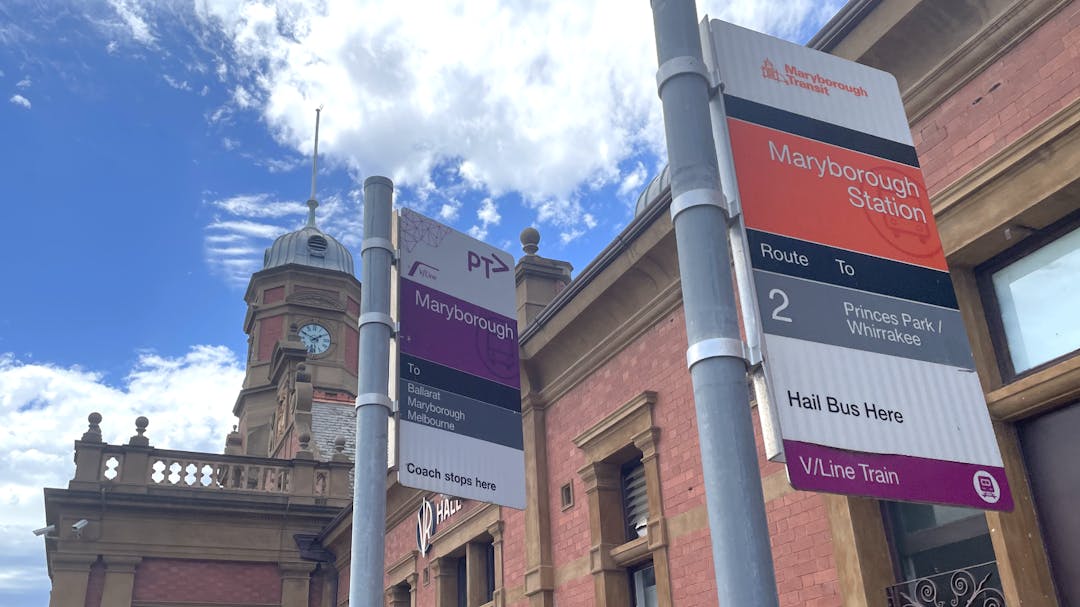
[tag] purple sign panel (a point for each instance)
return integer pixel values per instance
(455, 333)
(898, 477)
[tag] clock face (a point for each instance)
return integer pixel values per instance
(315, 337)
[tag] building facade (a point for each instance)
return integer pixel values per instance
(616, 511)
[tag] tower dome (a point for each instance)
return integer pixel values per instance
(309, 246)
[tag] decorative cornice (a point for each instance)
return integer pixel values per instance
(400, 570)
(622, 417)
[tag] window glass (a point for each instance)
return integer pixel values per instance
(929, 539)
(1038, 296)
(643, 581)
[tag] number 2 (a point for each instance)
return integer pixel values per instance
(784, 303)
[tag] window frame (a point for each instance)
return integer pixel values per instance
(902, 546)
(1038, 239)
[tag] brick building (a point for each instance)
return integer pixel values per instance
(616, 510)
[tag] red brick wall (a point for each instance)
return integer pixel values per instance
(273, 295)
(352, 350)
(271, 329)
(95, 585)
(514, 551)
(1036, 78)
(178, 580)
(352, 307)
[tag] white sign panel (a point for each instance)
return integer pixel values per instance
(459, 390)
(865, 353)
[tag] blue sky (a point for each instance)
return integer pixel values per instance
(152, 150)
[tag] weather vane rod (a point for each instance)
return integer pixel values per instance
(312, 203)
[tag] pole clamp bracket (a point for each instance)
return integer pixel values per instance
(717, 347)
(375, 242)
(676, 66)
(696, 198)
(378, 318)
(374, 398)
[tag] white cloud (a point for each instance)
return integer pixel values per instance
(633, 181)
(133, 18)
(488, 214)
(450, 211)
(43, 408)
(537, 104)
(20, 100)
(24, 83)
(543, 99)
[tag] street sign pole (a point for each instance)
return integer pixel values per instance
(372, 403)
(716, 356)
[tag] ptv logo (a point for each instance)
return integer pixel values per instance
(490, 265)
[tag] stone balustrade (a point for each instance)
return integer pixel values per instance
(137, 467)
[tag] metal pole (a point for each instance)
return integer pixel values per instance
(716, 357)
(373, 402)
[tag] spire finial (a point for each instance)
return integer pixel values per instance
(312, 203)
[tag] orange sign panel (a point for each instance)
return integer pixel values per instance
(830, 195)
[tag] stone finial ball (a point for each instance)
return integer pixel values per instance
(94, 418)
(142, 422)
(530, 239)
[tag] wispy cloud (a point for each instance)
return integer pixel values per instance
(258, 205)
(181, 85)
(20, 100)
(244, 225)
(133, 17)
(24, 83)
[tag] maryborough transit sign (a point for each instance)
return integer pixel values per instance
(865, 352)
(459, 391)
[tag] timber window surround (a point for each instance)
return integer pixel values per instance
(1031, 293)
(628, 551)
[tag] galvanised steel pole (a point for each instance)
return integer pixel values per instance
(373, 402)
(716, 356)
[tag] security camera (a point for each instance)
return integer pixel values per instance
(46, 531)
(78, 526)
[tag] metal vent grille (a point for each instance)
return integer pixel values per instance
(635, 499)
(317, 245)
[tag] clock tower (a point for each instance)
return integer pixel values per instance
(303, 344)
